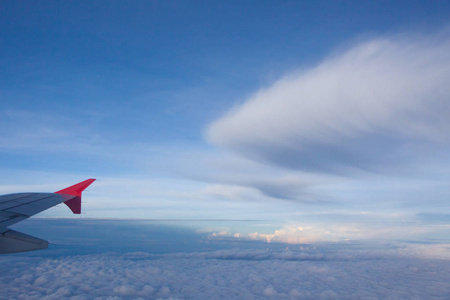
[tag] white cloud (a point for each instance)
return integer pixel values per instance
(342, 231)
(322, 272)
(381, 101)
(294, 234)
(270, 292)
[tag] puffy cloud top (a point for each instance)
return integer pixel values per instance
(312, 273)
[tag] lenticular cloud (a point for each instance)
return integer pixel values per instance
(382, 101)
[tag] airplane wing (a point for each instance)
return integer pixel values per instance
(18, 207)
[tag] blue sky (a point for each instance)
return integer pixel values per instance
(327, 118)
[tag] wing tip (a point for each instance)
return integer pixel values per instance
(75, 191)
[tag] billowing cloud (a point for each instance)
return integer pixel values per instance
(308, 273)
(118, 260)
(382, 102)
(301, 234)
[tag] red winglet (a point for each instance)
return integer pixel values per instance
(74, 202)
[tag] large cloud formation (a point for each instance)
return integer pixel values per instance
(382, 102)
(306, 273)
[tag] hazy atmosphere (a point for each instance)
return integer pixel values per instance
(242, 149)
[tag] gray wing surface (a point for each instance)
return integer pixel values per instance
(17, 207)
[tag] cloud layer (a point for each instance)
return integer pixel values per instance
(306, 273)
(112, 259)
(381, 102)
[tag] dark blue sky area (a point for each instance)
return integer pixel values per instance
(93, 236)
(132, 61)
